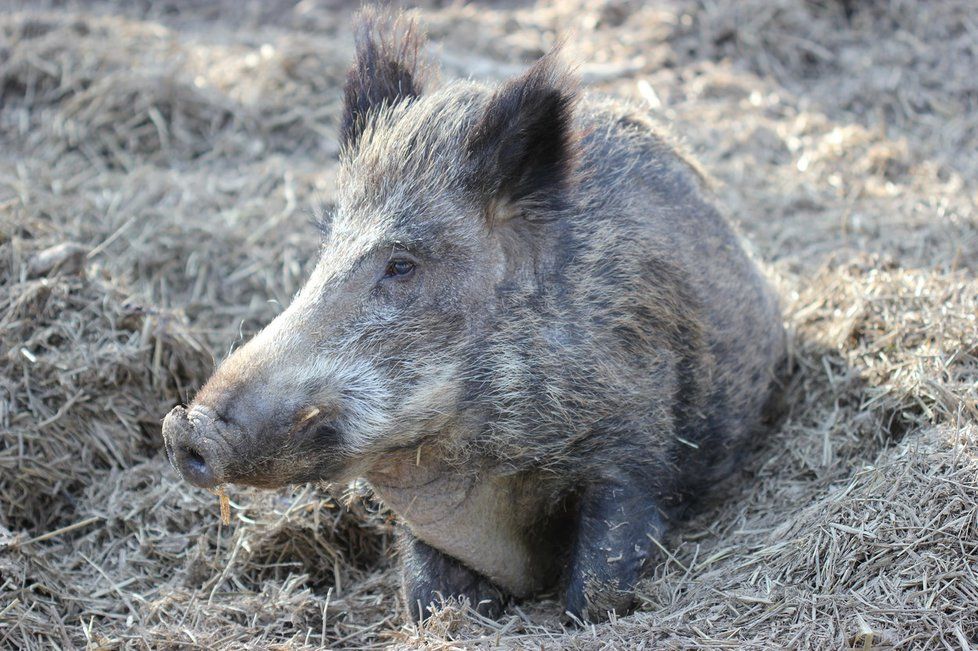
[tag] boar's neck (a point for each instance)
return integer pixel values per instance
(480, 520)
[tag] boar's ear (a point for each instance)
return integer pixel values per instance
(387, 70)
(522, 150)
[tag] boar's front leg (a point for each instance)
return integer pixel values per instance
(428, 576)
(618, 519)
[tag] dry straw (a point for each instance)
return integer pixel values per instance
(158, 169)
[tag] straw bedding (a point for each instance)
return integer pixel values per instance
(159, 167)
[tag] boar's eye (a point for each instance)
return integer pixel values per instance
(399, 268)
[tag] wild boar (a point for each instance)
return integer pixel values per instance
(528, 329)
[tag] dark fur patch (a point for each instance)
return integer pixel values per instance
(388, 69)
(522, 149)
(618, 520)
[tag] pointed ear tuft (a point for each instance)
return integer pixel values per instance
(388, 69)
(523, 149)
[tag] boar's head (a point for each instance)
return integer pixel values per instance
(445, 202)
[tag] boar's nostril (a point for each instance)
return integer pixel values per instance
(194, 459)
(194, 467)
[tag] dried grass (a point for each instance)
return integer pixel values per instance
(157, 169)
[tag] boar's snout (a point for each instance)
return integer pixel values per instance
(193, 444)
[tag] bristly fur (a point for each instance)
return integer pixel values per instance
(580, 343)
(522, 150)
(388, 69)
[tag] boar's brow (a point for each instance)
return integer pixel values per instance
(415, 227)
(386, 245)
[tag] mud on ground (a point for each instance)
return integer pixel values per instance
(183, 146)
